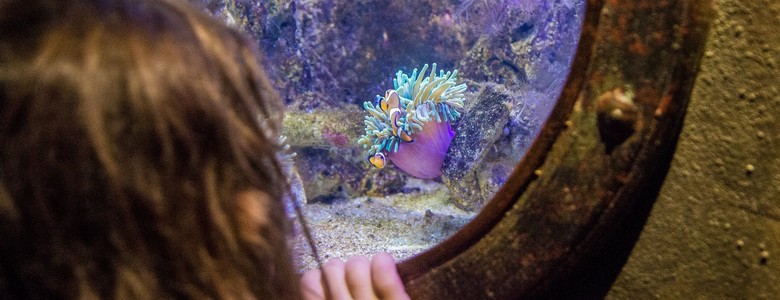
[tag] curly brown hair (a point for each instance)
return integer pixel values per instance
(138, 145)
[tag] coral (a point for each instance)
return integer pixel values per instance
(411, 124)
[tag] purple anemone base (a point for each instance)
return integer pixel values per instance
(423, 157)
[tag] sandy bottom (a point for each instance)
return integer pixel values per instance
(401, 224)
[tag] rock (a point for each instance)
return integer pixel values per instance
(334, 129)
(478, 129)
(327, 175)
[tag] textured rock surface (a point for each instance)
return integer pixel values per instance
(714, 232)
(327, 53)
(478, 130)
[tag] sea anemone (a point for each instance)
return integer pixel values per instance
(410, 125)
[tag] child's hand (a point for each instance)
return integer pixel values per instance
(356, 279)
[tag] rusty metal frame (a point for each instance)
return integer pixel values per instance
(600, 159)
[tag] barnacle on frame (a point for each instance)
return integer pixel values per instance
(402, 114)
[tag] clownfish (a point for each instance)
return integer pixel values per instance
(404, 136)
(391, 101)
(395, 115)
(377, 160)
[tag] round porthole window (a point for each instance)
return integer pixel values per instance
(394, 153)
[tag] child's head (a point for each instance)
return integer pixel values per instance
(137, 155)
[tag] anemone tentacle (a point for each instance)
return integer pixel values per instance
(422, 98)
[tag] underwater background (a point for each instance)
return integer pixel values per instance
(328, 57)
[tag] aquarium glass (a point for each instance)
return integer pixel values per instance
(404, 117)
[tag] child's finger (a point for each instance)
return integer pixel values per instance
(358, 274)
(387, 284)
(311, 283)
(333, 272)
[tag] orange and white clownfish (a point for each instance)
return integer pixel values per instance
(394, 116)
(377, 160)
(390, 101)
